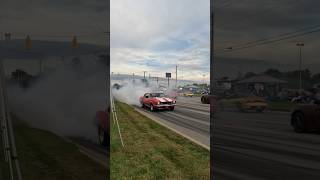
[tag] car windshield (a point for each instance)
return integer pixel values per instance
(157, 95)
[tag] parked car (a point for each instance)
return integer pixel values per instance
(157, 101)
(306, 117)
(188, 94)
(257, 104)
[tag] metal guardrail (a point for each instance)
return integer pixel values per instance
(7, 134)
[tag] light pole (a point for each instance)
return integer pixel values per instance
(144, 75)
(300, 45)
(203, 75)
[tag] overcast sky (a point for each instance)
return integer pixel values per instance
(87, 19)
(157, 35)
(241, 21)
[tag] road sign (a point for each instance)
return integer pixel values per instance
(168, 75)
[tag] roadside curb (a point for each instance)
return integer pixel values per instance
(158, 120)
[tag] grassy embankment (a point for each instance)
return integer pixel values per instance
(152, 151)
(46, 156)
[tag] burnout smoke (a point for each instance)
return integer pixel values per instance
(130, 92)
(63, 101)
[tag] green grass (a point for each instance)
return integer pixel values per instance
(152, 151)
(46, 156)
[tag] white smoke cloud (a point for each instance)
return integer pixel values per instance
(63, 101)
(130, 92)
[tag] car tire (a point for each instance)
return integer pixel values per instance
(298, 122)
(142, 105)
(103, 137)
(172, 108)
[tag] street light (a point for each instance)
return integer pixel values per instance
(300, 45)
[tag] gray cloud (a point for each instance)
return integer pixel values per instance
(169, 32)
(249, 20)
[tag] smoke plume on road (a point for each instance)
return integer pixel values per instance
(63, 101)
(130, 91)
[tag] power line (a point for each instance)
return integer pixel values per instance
(62, 35)
(264, 12)
(278, 36)
(272, 39)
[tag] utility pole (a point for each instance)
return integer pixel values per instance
(176, 76)
(300, 45)
(203, 75)
(144, 75)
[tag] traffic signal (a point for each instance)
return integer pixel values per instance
(28, 44)
(74, 42)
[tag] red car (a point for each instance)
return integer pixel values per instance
(102, 120)
(156, 101)
(306, 117)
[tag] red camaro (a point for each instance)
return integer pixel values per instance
(157, 101)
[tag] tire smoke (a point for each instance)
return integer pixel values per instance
(63, 101)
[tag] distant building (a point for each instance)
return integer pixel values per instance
(191, 88)
(260, 85)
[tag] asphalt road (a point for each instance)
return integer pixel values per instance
(248, 145)
(93, 150)
(190, 118)
(263, 146)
